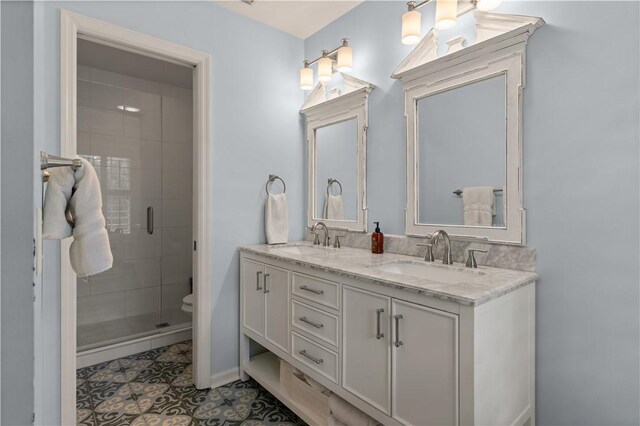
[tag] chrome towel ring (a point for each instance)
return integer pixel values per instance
(273, 178)
(330, 182)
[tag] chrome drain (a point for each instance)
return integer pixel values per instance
(163, 325)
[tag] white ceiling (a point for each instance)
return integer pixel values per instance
(300, 18)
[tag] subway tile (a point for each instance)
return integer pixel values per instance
(176, 241)
(139, 212)
(102, 307)
(143, 100)
(84, 119)
(83, 72)
(150, 125)
(177, 184)
(177, 121)
(182, 94)
(177, 156)
(139, 245)
(172, 295)
(176, 269)
(106, 97)
(142, 301)
(106, 122)
(176, 213)
(83, 142)
(84, 93)
(149, 154)
(146, 183)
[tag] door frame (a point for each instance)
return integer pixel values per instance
(72, 26)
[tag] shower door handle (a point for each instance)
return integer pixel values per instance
(149, 220)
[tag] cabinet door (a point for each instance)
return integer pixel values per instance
(276, 290)
(253, 296)
(366, 353)
(425, 365)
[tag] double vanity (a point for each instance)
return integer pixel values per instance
(404, 340)
(409, 340)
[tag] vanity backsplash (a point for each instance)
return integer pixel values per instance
(504, 256)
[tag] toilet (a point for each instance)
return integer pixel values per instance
(187, 304)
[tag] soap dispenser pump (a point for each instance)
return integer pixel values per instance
(377, 240)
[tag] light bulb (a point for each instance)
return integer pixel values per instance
(345, 59)
(306, 78)
(487, 5)
(446, 14)
(325, 69)
(411, 27)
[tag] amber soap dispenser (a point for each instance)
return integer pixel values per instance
(377, 240)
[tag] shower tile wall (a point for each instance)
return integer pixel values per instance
(143, 159)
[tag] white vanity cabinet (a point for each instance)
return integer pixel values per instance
(265, 302)
(402, 357)
(425, 365)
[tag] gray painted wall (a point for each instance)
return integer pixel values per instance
(256, 131)
(581, 175)
(17, 200)
(461, 142)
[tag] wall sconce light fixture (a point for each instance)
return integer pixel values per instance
(342, 55)
(446, 16)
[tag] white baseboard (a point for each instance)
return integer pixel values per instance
(225, 377)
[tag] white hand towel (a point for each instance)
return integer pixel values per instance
(90, 251)
(276, 219)
(347, 414)
(479, 205)
(334, 207)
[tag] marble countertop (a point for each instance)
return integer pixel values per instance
(471, 287)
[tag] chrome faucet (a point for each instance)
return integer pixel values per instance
(316, 241)
(446, 257)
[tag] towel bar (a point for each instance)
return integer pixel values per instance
(458, 192)
(273, 178)
(48, 161)
(330, 182)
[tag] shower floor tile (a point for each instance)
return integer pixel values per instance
(155, 388)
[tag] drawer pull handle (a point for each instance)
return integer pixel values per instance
(398, 342)
(258, 288)
(379, 334)
(315, 324)
(265, 283)
(311, 290)
(312, 358)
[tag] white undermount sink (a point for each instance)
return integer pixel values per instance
(302, 250)
(440, 273)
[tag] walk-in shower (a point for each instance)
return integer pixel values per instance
(135, 127)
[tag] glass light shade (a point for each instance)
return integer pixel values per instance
(325, 69)
(446, 14)
(345, 59)
(486, 5)
(306, 78)
(411, 27)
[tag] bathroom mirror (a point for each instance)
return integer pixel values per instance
(461, 155)
(336, 171)
(464, 160)
(336, 145)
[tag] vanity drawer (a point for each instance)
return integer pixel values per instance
(315, 356)
(320, 291)
(318, 323)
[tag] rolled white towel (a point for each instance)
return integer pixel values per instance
(346, 413)
(56, 202)
(276, 219)
(90, 251)
(334, 207)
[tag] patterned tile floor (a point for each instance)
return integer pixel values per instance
(154, 388)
